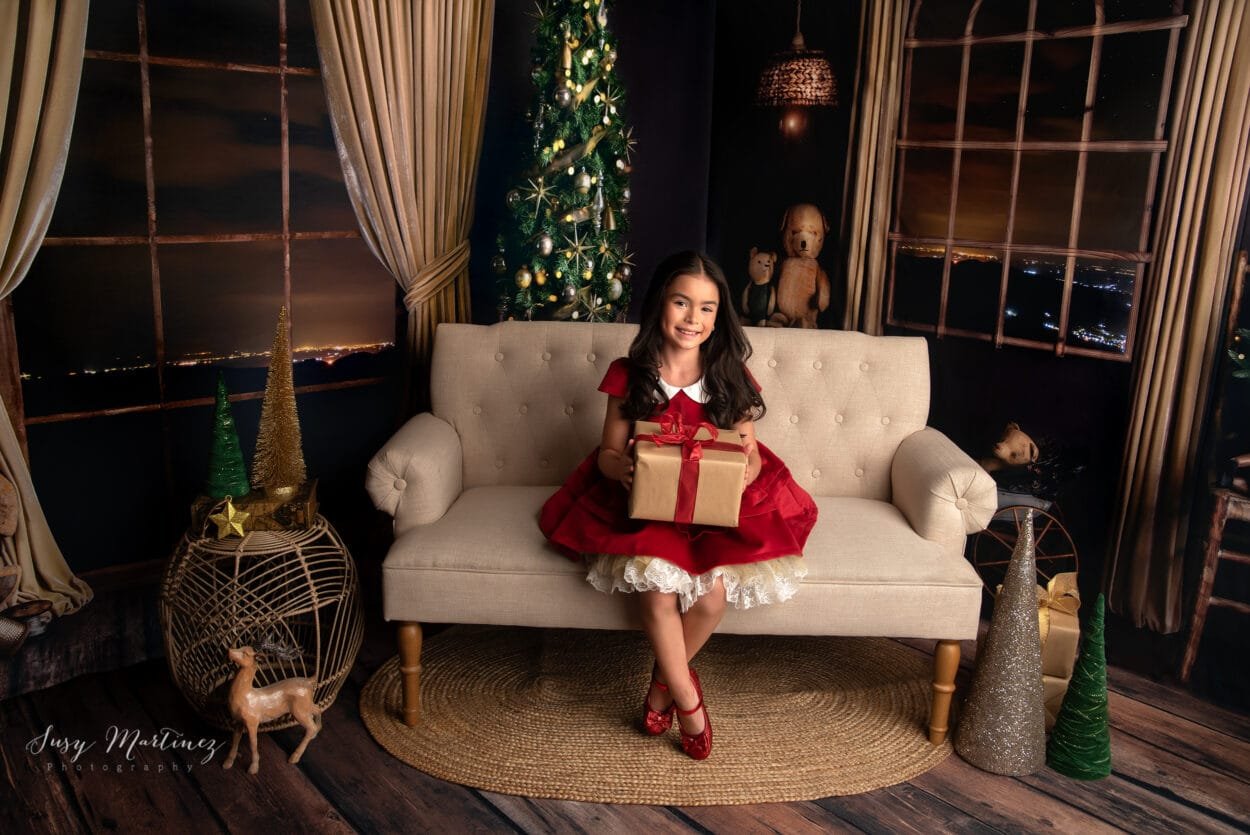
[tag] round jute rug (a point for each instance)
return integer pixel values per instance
(555, 713)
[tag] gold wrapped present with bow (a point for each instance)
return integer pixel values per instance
(1057, 606)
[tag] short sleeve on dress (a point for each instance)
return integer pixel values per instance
(616, 381)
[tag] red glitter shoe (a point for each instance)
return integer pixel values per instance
(697, 746)
(656, 722)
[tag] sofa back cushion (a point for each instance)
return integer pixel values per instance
(524, 399)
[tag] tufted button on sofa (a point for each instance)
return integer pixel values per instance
(515, 409)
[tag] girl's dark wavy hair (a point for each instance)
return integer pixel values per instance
(730, 396)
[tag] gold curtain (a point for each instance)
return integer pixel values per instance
(867, 223)
(37, 120)
(1179, 335)
(406, 86)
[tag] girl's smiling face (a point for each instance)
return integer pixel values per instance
(690, 306)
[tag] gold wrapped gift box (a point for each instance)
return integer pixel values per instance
(687, 474)
(1058, 604)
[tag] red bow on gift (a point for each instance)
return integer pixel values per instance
(675, 431)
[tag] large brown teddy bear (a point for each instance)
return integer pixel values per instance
(1014, 449)
(802, 286)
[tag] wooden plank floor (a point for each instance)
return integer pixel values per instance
(1180, 765)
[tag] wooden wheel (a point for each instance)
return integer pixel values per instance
(1053, 547)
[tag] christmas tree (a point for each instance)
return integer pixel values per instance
(278, 465)
(1003, 728)
(562, 255)
(1080, 744)
(227, 474)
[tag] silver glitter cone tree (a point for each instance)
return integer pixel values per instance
(1003, 726)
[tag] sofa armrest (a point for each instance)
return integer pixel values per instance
(418, 473)
(943, 493)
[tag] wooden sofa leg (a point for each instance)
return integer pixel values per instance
(410, 670)
(945, 665)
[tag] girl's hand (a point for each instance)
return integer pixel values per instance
(619, 466)
(627, 466)
(753, 463)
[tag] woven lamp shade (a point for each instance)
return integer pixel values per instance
(296, 588)
(798, 78)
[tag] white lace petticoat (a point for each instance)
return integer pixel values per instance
(746, 585)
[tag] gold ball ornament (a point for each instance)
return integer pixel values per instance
(524, 277)
(540, 277)
(588, 274)
(230, 520)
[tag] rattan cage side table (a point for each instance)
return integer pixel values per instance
(295, 588)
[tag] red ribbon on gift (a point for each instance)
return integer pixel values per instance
(675, 431)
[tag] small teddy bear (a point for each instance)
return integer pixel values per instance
(759, 298)
(1014, 449)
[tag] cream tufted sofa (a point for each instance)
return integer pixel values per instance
(515, 409)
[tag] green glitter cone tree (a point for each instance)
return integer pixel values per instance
(562, 253)
(227, 474)
(1003, 726)
(1080, 744)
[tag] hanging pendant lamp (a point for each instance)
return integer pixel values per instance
(795, 79)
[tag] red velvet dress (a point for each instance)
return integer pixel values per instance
(758, 561)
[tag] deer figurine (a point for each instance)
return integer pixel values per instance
(250, 706)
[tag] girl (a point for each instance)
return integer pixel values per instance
(689, 359)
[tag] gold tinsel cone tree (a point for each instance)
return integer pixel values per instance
(279, 461)
(1003, 727)
(1080, 745)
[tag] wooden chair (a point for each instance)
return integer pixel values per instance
(1228, 506)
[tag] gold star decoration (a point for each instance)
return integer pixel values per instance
(630, 144)
(609, 98)
(230, 521)
(540, 10)
(539, 192)
(577, 248)
(627, 258)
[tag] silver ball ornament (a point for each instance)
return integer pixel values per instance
(626, 271)
(499, 264)
(615, 289)
(568, 293)
(512, 198)
(544, 245)
(626, 194)
(563, 96)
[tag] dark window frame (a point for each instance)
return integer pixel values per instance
(1081, 148)
(153, 240)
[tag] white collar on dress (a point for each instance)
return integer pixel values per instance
(694, 391)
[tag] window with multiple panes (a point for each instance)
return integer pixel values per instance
(202, 193)
(1030, 139)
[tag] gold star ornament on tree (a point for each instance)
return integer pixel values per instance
(230, 520)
